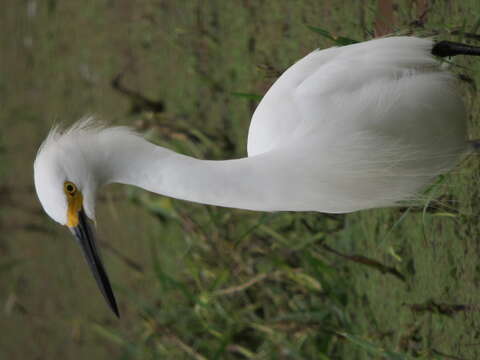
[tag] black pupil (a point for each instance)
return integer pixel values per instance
(69, 188)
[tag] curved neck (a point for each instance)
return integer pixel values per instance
(242, 183)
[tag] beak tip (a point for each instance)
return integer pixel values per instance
(116, 312)
(113, 306)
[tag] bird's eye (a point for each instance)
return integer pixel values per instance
(70, 188)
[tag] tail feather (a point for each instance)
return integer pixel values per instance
(449, 48)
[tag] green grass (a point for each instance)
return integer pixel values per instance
(201, 282)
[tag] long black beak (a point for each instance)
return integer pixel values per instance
(84, 235)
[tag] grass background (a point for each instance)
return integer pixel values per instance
(201, 282)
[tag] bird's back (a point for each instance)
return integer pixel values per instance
(367, 124)
(343, 84)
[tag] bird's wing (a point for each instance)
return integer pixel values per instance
(311, 93)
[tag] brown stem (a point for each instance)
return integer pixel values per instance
(359, 259)
(139, 101)
(385, 19)
(131, 263)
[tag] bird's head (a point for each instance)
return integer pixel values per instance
(66, 183)
(62, 179)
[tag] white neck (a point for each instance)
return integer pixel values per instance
(242, 183)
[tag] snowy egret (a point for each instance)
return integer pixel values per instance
(344, 129)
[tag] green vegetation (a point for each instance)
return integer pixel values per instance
(201, 282)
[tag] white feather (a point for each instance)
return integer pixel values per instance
(344, 129)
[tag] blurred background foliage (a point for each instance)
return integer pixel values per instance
(201, 282)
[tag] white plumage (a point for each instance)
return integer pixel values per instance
(343, 129)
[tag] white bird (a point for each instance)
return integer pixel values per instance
(347, 128)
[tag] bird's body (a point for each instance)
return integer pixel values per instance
(344, 129)
(360, 126)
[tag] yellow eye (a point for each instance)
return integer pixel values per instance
(69, 188)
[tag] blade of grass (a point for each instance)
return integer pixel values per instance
(338, 40)
(249, 96)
